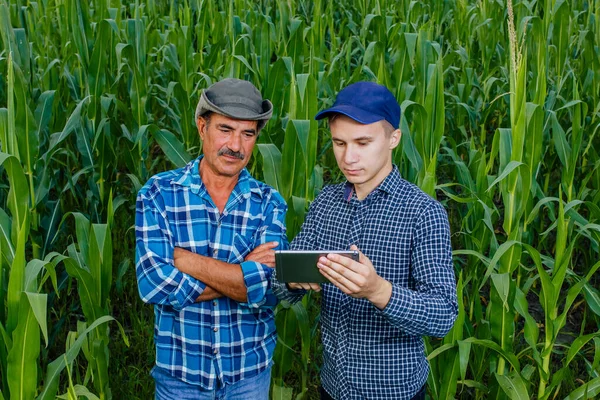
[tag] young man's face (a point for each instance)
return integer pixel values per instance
(363, 152)
(227, 143)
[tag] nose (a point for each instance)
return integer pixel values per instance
(350, 155)
(235, 141)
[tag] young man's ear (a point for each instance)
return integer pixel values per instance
(395, 138)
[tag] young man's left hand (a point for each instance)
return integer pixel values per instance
(356, 278)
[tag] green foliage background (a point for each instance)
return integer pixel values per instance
(500, 123)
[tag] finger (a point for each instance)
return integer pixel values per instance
(305, 286)
(315, 287)
(344, 261)
(266, 246)
(361, 257)
(349, 270)
(343, 280)
(335, 280)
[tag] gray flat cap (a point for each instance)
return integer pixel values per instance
(235, 98)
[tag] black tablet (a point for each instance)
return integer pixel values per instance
(300, 266)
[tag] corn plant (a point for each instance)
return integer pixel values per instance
(500, 122)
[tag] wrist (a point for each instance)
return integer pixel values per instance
(381, 296)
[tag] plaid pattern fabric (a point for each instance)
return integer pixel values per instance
(370, 353)
(219, 341)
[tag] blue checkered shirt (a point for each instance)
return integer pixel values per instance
(370, 353)
(207, 343)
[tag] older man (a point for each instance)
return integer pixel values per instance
(376, 310)
(205, 235)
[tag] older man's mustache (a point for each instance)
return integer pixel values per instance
(229, 152)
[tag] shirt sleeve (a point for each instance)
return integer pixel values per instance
(431, 309)
(257, 276)
(159, 282)
(304, 240)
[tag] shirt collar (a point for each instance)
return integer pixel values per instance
(388, 185)
(190, 177)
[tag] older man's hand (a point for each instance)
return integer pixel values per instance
(263, 254)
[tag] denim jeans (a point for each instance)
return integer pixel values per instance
(171, 388)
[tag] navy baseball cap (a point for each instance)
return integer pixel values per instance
(366, 103)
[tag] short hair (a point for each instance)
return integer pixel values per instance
(206, 117)
(388, 129)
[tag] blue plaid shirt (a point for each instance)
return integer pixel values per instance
(370, 353)
(217, 341)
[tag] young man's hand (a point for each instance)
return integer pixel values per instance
(356, 278)
(263, 254)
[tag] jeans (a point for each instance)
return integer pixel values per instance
(171, 388)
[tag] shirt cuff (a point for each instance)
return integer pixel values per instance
(187, 292)
(256, 279)
(399, 305)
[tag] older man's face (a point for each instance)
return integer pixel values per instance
(227, 143)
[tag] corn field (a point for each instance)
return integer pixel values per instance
(500, 118)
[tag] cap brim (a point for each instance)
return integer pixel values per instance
(355, 113)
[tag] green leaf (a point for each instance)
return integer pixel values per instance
(80, 391)
(511, 358)
(513, 385)
(586, 391)
(464, 350)
(281, 393)
(8, 250)
(578, 345)
(509, 168)
(39, 303)
(304, 325)
(16, 279)
(592, 298)
(73, 123)
(55, 367)
(172, 147)
(271, 164)
(23, 355)
(18, 195)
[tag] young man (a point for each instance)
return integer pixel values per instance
(375, 311)
(205, 235)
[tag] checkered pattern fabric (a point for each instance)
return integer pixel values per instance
(370, 353)
(211, 342)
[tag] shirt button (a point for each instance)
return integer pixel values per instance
(214, 303)
(215, 351)
(215, 329)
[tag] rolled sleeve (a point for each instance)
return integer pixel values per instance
(256, 279)
(159, 282)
